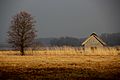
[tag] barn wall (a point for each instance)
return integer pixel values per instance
(93, 42)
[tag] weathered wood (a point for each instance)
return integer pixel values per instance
(93, 41)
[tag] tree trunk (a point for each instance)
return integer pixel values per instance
(22, 51)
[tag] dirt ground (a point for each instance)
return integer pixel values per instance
(59, 67)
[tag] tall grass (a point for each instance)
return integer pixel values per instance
(67, 51)
(61, 63)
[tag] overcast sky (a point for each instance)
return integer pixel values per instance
(56, 18)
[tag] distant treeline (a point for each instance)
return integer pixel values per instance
(65, 41)
(112, 39)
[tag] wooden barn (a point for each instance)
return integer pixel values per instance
(93, 41)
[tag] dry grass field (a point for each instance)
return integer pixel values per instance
(61, 64)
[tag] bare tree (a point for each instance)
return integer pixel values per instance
(22, 31)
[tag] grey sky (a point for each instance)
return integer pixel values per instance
(56, 18)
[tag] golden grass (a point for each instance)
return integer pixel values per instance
(58, 57)
(67, 51)
(66, 63)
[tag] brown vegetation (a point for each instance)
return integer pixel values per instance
(67, 64)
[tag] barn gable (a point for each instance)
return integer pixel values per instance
(93, 41)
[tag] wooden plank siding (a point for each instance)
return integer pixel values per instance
(93, 41)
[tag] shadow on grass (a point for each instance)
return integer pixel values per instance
(56, 74)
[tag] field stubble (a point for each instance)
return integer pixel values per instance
(67, 64)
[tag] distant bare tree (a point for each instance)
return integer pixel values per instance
(22, 32)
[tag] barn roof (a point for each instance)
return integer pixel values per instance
(96, 36)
